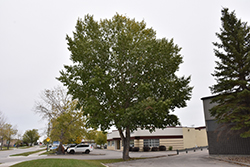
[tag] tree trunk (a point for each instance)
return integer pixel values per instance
(60, 147)
(126, 143)
(8, 146)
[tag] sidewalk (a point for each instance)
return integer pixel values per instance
(243, 160)
(7, 164)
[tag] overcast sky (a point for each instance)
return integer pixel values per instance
(33, 48)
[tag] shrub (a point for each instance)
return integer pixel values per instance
(162, 148)
(146, 148)
(135, 149)
(170, 148)
(130, 148)
(154, 149)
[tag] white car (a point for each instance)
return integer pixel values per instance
(80, 148)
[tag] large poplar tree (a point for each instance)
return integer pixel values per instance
(232, 74)
(124, 76)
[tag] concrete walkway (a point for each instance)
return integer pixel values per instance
(22, 159)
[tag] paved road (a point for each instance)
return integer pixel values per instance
(192, 159)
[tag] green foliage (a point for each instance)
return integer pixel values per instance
(170, 148)
(120, 71)
(101, 138)
(118, 65)
(232, 74)
(31, 136)
(91, 135)
(8, 131)
(69, 126)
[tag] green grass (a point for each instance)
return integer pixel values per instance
(27, 153)
(65, 163)
(5, 148)
(48, 152)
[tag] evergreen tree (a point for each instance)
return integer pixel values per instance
(232, 74)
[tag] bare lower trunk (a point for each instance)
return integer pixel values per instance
(1, 143)
(126, 143)
(60, 147)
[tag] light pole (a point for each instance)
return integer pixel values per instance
(1, 137)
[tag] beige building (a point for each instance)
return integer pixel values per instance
(177, 137)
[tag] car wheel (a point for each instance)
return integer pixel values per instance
(72, 152)
(87, 151)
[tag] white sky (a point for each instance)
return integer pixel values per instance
(33, 47)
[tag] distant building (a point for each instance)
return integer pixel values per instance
(177, 137)
(221, 141)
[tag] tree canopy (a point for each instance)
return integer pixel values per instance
(31, 136)
(124, 76)
(66, 122)
(6, 130)
(232, 74)
(69, 127)
(101, 138)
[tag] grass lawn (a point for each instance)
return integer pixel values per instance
(65, 163)
(11, 148)
(5, 148)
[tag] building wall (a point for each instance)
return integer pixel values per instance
(170, 131)
(189, 137)
(177, 144)
(177, 137)
(194, 137)
(201, 137)
(221, 141)
(138, 143)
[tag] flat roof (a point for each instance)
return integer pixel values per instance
(208, 97)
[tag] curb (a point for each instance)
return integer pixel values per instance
(229, 161)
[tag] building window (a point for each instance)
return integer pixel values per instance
(132, 143)
(113, 143)
(108, 143)
(151, 142)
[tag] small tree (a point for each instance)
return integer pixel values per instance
(9, 132)
(2, 123)
(52, 103)
(91, 135)
(123, 76)
(66, 123)
(232, 74)
(31, 136)
(101, 138)
(69, 126)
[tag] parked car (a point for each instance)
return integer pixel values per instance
(55, 145)
(53, 148)
(80, 148)
(69, 146)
